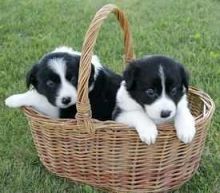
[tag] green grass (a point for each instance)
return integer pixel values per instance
(185, 29)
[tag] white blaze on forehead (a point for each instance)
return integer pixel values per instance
(162, 76)
(58, 65)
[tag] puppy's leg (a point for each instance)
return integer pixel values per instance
(34, 99)
(145, 127)
(184, 122)
(19, 100)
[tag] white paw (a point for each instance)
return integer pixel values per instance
(13, 101)
(148, 134)
(185, 130)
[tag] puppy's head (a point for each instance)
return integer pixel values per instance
(157, 83)
(55, 76)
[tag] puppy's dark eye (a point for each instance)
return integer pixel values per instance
(50, 83)
(173, 91)
(151, 93)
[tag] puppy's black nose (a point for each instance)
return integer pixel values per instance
(66, 100)
(165, 114)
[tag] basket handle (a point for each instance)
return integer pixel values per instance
(83, 115)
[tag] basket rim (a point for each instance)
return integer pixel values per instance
(208, 110)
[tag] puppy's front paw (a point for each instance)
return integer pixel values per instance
(13, 101)
(185, 130)
(148, 134)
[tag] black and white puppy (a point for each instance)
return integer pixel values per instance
(154, 91)
(54, 81)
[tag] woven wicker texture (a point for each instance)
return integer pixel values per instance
(110, 155)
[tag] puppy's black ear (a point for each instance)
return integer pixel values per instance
(185, 77)
(31, 78)
(130, 74)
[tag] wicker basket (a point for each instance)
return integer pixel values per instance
(110, 155)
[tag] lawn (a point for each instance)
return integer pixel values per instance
(186, 30)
